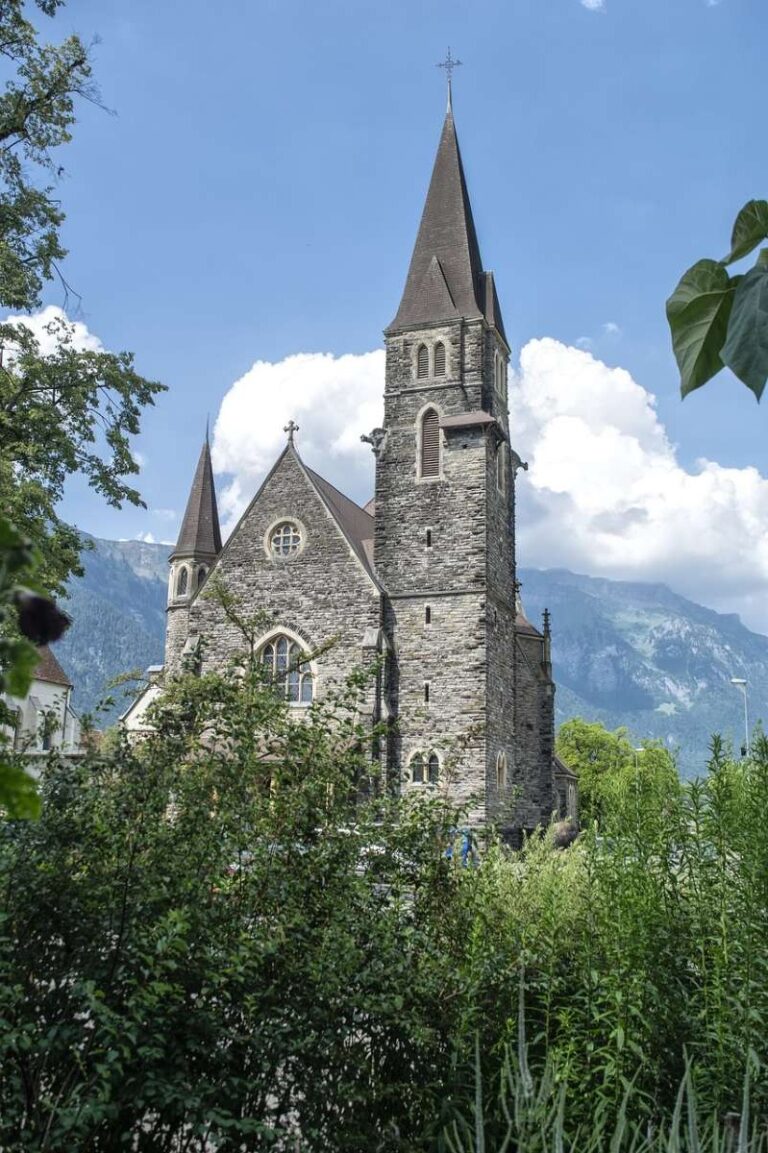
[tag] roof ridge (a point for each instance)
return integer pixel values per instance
(316, 476)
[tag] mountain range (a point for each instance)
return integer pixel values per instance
(624, 653)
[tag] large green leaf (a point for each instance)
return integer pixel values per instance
(19, 798)
(750, 229)
(698, 312)
(746, 350)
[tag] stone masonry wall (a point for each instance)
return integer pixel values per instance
(321, 596)
(448, 575)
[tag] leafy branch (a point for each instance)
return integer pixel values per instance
(719, 320)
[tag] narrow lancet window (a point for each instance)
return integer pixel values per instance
(433, 769)
(440, 359)
(430, 444)
(422, 361)
(181, 583)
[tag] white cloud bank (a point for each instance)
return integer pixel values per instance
(604, 495)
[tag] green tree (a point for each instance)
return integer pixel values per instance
(610, 769)
(719, 320)
(70, 409)
(232, 941)
(63, 409)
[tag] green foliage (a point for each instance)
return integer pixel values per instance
(241, 939)
(18, 658)
(608, 766)
(718, 320)
(63, 409)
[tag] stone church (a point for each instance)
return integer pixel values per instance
(423, 577)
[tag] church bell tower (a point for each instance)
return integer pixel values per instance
(444, 538)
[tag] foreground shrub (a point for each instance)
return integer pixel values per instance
(234, 937)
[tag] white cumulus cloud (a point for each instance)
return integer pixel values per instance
(593, 5)
(334, 400)
(605, 493)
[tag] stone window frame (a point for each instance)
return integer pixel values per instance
(429, 766)
(430, 406)
(202, 573)
(280, 558)
(310, 666)
(181, 575)
(501, 468)
(430, 347)
(500, 374)
(501, 770)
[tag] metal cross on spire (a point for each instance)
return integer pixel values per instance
(291, 427)
(449, 64)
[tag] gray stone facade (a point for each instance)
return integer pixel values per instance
(429, 581)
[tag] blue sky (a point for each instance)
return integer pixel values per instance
(257, 195)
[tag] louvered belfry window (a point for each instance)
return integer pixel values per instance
(422, 361)
(439, 360)
(430, 443)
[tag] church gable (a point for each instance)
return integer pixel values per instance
(290, 557)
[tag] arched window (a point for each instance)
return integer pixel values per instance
(417, 769)
(433, 769)
(201, 575)
(181, 582)
(430, 443)
(501, 771)
(440, 359)
(286, 667)
(422, 361)
(501, 468)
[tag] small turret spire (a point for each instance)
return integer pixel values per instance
(200, 535)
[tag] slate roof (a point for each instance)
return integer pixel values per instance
(563, 770)
(200, 534)
(355, 523)
(49, 669)
(467, 419)
(523, 625)
(446, 278)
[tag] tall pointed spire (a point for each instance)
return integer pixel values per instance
(446, 278)
(200, 534)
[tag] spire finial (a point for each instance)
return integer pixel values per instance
(208, 428)
(291, 427)
(449, 64)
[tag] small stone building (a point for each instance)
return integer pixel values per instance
(423, 577)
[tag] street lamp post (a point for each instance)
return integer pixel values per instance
(741, 683)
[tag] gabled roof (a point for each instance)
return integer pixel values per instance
(200, 534)
(49, 669)
(563, 770)
(355, 523)
(446, 278)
